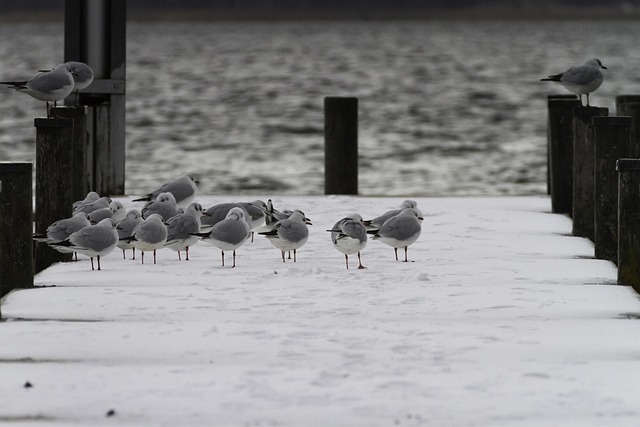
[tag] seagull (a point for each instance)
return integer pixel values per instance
(148, 235)
(61, 230)
(400, 231)
(378, 221)
(289, 234)
(102, 202)
(91, 197)
(349, 236)
(183, 189)
(165, 205)
(82, 76)
(116, 210)
(228, 234)
(581, 79)
(94, 240)
(180, 228)
(219, 212)
(49, 86)
(125, 229)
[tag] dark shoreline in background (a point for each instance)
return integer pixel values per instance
(205, 15)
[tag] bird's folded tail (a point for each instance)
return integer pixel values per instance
(16, 85)
(146, 198)
(273, 232)
(554, 78)
(66, 243)
(128, 239)
(200, 234)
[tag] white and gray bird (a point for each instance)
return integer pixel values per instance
(230, 233)
(93, 241)
(100, 203)
(125, 228)
(377, 222)
(82, 76)
(581, 79)
(116, 211)
(91, 197)
(289, 234)
(165, 205)
(219, 212)
(184, 190)
(180, 229)
(349, 236)
(61, 230)
(49, 86)
(149, 235)
(400, 231)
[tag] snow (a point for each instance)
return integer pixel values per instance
(501, 318)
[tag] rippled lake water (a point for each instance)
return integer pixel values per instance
(446, 108)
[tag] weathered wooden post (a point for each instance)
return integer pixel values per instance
(95, 33)
(54, 174)
(629, 105)
(611, 136)
(549, 119)
(340, 145)
(583, 170)
(629, 223)
(560, 153)
(80, 179)
(16, 234)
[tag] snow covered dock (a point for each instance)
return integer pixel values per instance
(501, 318)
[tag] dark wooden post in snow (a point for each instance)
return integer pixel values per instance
(629, 223)
(95, 33)
(629, 105)
(54, 175)
(80, 177)
(16, 233)
(583, 170)
(611, 136)
(560, 153)
(340, 145)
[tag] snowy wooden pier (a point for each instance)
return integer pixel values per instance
(501, 318)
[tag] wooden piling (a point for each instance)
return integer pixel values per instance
(583, 204)
(629, 105)
(560, 153)
(81, 175)
(16, 234)
(341, 145)
(551, 98)
(54, 175)
(611, 136)
(629, 223)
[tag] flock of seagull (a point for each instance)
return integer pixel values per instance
(171, 219)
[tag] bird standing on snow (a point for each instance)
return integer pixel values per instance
(49, 86)
(180, 228)
(149, 235)
(289, 234)
(400, 231)
(377, 222)
(125, 228)
(183, 189)
(93, 241)
(228, 234)
(581, 79)
(349, 236)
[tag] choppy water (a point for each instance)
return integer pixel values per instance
(446, 108)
